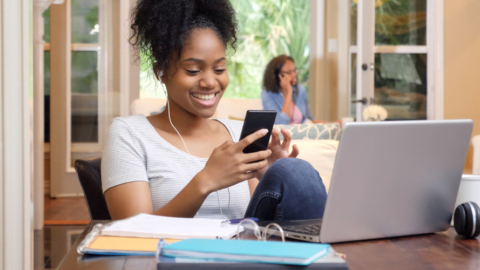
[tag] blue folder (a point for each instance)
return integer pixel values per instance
(247, 251)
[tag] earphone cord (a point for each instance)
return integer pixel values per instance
(170, 119)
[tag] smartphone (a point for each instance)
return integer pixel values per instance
(254, 121)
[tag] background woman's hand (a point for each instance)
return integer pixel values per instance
(279, 149)
(286, 85)
(228, 165)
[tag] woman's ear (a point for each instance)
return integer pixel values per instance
(158, 73)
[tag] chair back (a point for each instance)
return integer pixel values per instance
(88, 171)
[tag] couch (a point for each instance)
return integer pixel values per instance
(317, 143)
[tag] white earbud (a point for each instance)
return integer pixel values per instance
(160, 75)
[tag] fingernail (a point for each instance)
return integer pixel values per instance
(264, 131)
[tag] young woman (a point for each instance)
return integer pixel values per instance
(282, 93)
(180, 163)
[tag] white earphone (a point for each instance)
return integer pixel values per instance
(160, 75)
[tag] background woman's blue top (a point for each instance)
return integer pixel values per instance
(275, 101)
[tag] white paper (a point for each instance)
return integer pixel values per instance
(151, 226)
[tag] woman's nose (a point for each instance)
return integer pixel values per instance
(208, 81)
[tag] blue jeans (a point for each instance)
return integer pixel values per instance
(290, 189)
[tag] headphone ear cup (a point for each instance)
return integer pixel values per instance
(459, 220)
(469, 226)
(477, 219)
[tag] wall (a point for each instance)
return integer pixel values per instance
(331, 61)
(462, 60)
(324, 61)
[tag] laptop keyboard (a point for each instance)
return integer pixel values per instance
(309, 229)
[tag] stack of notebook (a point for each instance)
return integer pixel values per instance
(276, 252)
(206, 245)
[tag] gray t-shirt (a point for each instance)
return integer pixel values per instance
(134, 151)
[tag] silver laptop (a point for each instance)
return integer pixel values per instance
(390, 179)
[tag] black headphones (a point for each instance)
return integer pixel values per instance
(466, 220)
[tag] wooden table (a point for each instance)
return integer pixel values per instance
(432, 251)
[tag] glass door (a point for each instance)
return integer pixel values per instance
(390, 57)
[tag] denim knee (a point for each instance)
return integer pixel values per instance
(290, 189)
(287, 169)
(289, 165)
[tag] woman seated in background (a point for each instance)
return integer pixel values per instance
(282, 93)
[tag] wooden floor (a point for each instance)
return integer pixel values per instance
(66, 211)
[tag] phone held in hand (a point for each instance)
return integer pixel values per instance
(254, 121)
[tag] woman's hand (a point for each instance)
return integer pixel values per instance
(287, 91)
(286, 85)
(228, 165)
(279, 149)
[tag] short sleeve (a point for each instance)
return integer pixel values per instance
(123, 160)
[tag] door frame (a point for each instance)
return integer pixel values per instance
(16, 47)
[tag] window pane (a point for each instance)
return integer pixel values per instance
(401, 85)
(267, 29)
(353, 85)
(353, 22)
(150, 87)
(84, 97)
(46, 25)
(84, 21)
(400, 22)
(46, 73)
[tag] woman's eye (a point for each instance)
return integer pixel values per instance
(219, 70)
(192, 72)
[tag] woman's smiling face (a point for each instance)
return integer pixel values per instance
(197, 81)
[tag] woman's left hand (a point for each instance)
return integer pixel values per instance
(279, 149)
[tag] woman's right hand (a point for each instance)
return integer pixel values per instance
(228, 165)
(286, 85)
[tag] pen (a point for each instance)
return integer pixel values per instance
(238, 220)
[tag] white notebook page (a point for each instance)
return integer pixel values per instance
(151, 226)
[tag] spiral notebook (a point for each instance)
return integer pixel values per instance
(139, 235)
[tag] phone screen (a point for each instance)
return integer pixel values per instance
(254, 121)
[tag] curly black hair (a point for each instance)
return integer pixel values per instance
(161, 27)
(271, 79)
